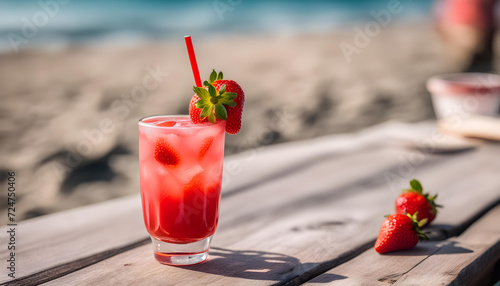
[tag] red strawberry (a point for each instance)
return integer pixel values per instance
(399, 232)
(233, 122)
(414, 200)
(166, 124)
(207, 143)
(196, 183)
(165, 154)
(219, 100)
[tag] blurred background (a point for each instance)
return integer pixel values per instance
(76, 76)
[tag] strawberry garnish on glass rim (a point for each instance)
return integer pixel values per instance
(215, 99)
(220, 99)
(212, 101)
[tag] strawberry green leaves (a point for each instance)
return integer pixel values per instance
(222, 89)
(415, 184)
(212, 91)
(212, 101)
(201, 92)
(417, 225)
(220, 112)
(213, 77)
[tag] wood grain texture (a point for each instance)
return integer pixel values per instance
(55, 239)
(374, 269)
(459, 260)
(291, 229)
(71, 266)
(462, 260)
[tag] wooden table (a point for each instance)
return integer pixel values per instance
(303, 212)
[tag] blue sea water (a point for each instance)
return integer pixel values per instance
(58, 23)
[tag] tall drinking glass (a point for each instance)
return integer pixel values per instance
(180, 173)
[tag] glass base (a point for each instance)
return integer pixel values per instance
(181, 254)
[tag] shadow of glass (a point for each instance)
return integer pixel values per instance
(432, 248)
(437, 232)
(327, 278)
(256, 265)
(452, 248)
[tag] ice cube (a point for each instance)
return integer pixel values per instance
(213, 174)
(210, 133)
(188, 172)
(161, 170)
(148, 176)
(170, 185)
(148, 132)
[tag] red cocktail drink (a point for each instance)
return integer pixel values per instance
(180, 174)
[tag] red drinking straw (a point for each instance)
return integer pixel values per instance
(192, 59)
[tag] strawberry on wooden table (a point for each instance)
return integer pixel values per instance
(415, 200)
(399, 232)
(219, 99)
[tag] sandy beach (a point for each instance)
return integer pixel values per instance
(68, 120)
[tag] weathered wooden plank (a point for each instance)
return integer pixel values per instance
(291, 229)
(464, 259)
(239, 221)
(460, 260)
(73, 265)
(273, 251)
(49, 241)
(256, 166)
(60, 238)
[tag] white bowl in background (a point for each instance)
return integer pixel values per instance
(465, 93)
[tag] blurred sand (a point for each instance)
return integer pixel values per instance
(296, 87)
